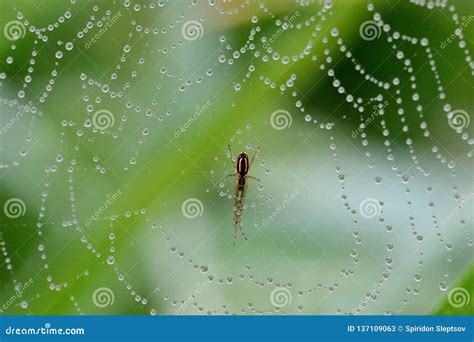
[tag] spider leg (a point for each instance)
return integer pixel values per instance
(254, 178)
(242, 231)
(235, 233)
(229, 152)
(254, 156)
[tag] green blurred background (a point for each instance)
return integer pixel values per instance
(177, 98)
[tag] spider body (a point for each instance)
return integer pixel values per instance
(242, 166)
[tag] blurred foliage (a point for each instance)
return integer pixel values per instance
(467, 309)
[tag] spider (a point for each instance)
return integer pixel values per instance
(241, 175)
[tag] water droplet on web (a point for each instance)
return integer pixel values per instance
(110, 260)
(443, 286)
